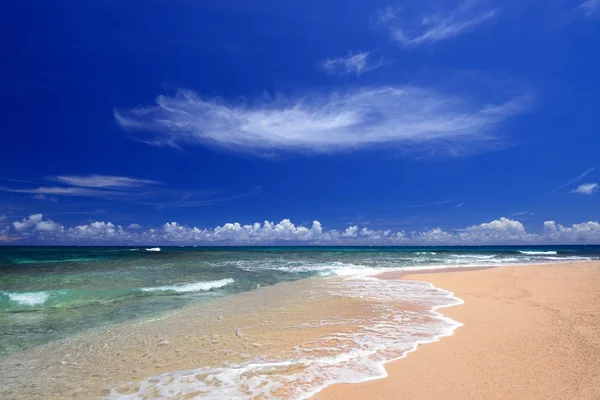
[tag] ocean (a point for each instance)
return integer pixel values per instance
(221, 307)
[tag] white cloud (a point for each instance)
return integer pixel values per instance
(36, 222)
(102, 181)
(34, 229)
(351, 231)
(404, 116)
(28, 222)
(134, 226)
(575, 179)
(98, 231)
(47, 226)
(500, 230)
(586, 232)
(427, 27)
(586, 188)
(353, 64)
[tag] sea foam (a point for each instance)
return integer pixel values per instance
(190, 287)
(401, 315)
(538, 253)
(29, 298)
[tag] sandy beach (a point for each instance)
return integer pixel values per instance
(530, 332)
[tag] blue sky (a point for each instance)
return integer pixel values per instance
(400, 117)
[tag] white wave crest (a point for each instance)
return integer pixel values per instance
(338, 269)
(153, 249)
(29, 298)
(538, 253)
(190, 287)
(474, 256)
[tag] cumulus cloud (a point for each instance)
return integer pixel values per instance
(98, 231)
(35, 222)
(353, 64)
(435, 235)
(351, 231)
(411, 27)
(134, 226)
(586, 188)
(102, 181)
(586, 232)
(47, 226)
(405, 116)
(28, 222)
(36, 229)
(500, 230)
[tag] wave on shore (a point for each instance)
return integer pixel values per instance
(401, 315)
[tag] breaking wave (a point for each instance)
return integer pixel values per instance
(538, 253)
(190, 287)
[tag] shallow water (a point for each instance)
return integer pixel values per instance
(190, 322)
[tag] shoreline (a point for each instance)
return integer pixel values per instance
(529, 331)
(279, 326)
(244, 326)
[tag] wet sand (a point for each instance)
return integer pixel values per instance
(305, 319)
(530, 332)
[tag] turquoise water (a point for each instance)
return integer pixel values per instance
(48, 293)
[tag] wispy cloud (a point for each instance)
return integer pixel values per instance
(411, 27)
(101, 186)
(586, 188)
(189, 199)
(575, 179)
(353, 64)
(590, 7)
(44, 197)
(142, 191)
(404, 116)
(103, 181)
(434, 203)
(521, 213)
(58, 191)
